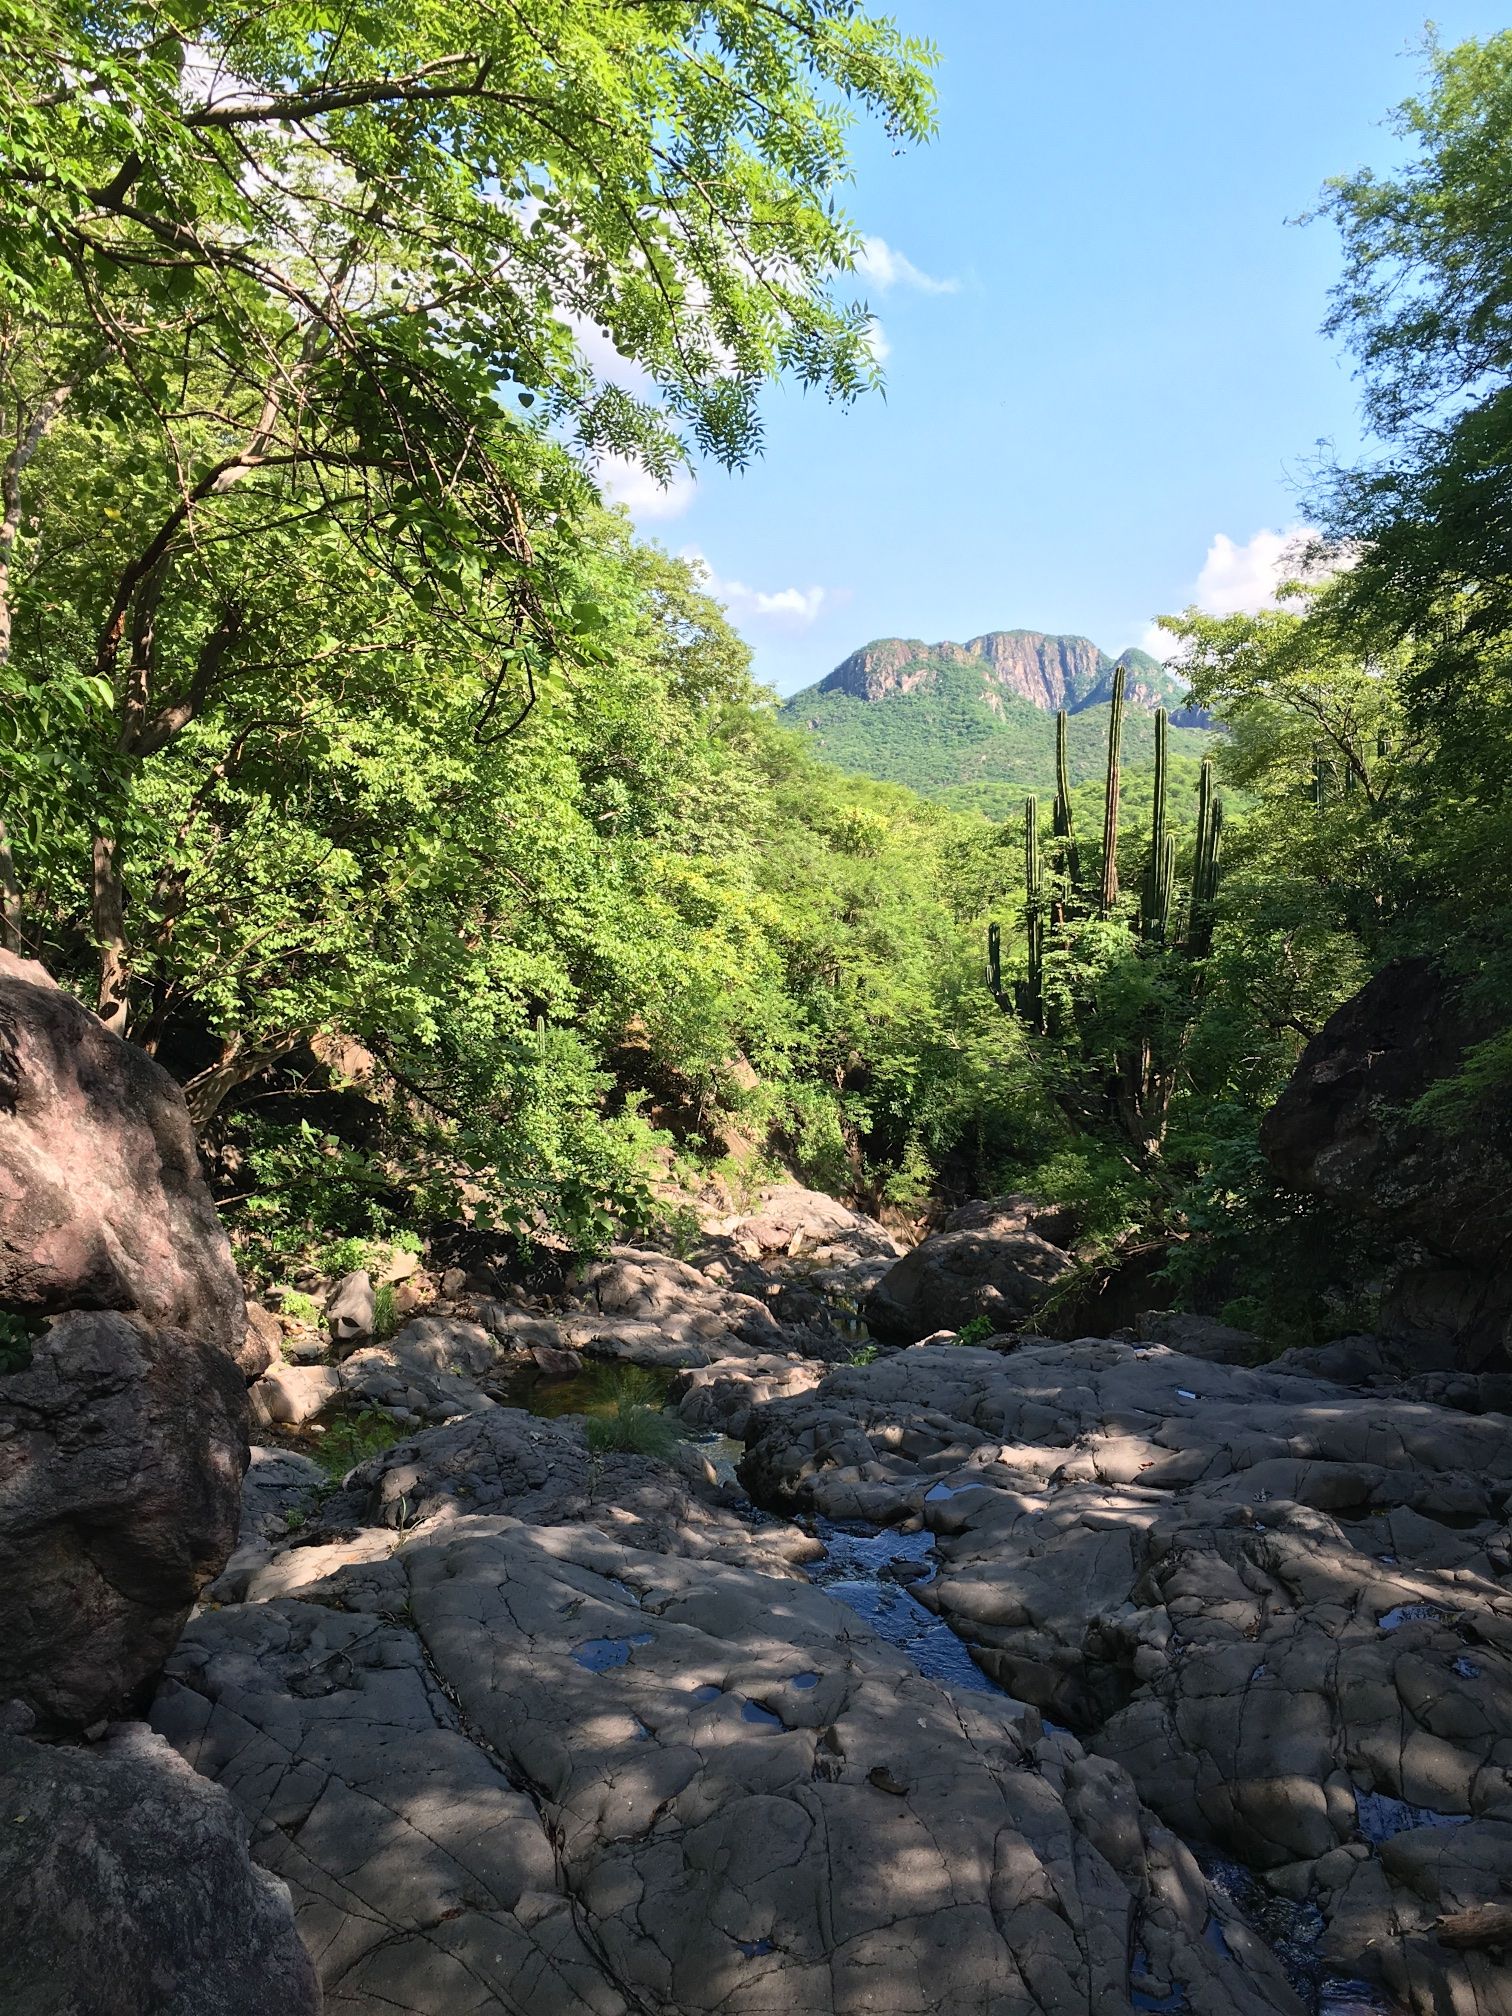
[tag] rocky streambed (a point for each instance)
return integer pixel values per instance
(1029, 1677)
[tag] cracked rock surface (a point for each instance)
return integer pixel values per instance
(1284, 1606)
(532, 1768)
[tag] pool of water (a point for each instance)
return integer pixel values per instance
(1294, 1934)
(597, 1389)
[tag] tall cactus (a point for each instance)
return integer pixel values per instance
(1155, 904)
(1064, 832)
(1199, 939)
(1108, 894)
(995, 963)
(1034, 917)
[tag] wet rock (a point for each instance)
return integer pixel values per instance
(121, 1453)
(102, 1205)
(1281, 1605)
(990, 1259)
(349, 1310)
(700, 1832)
(126, 1885)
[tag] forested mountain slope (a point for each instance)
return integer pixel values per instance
(973, 724)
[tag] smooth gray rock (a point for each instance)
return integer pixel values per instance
(263, 1345)
(126, 1889)
(349, 1310)
(736, 1800)
(289, 1395)
(719, 1397)
(1283, 1606)
(1200, 1337)
(543, 1471)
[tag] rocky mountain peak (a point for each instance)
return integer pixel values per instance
(1050, 672)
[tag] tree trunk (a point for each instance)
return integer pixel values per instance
(109, 912)
(239, 1061)
(10, 897)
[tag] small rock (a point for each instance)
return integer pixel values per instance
(349, 1309)
(291, 1394)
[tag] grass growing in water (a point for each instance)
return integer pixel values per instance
(634, 1422)
(351, 1439)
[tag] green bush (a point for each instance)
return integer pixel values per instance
(385, 1312)
(977, 1331)
(303, 1308)
(16, 1335)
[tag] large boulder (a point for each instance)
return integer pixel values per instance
(126, 1886)
(121, 1454)
(102, 1205)
(123, 1417)
(997, 1259)
(1343, 1131)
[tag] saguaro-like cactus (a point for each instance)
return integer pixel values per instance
(1034, 917)
(1155, 900)
(1199, 938)
(1061, 819)
(1108, 895)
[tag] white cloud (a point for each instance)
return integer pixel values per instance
(1242, 579)
(1245, 578)
(796, 606)
(889, 268)
(876, 341)
(605, 362)
(625, 482)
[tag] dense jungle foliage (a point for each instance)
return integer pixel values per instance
(356, 761)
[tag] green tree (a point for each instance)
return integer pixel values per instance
(319, 292)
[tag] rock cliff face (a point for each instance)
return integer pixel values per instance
(1049, 672)
(1343, 1131)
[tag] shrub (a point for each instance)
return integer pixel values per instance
(303, 1308)
(385, 1312)
(16, 1335)
(977, 1331)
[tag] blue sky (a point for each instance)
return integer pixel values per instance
(1105, 358)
